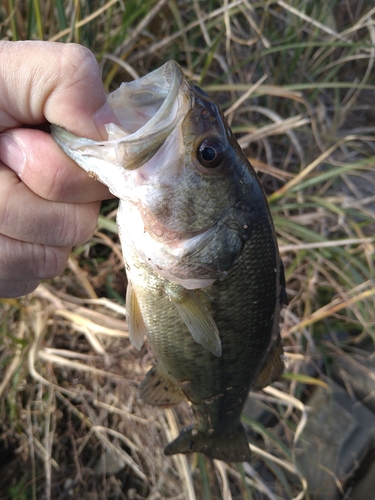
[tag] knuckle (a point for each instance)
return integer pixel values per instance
(79, 63)
(77, 225)
(51, 261)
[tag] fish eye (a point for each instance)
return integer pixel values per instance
(210, 153)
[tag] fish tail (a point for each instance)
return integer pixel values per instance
(232, 447)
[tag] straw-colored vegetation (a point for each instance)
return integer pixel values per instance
(296, 81)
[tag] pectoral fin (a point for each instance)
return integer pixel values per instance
(199, 321)
(158, 390)
(137, 327)
(272, 368)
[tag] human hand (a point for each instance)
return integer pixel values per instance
(47, 203)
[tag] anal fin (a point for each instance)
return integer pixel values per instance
(158, 390)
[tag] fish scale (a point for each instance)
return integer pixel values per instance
(245, 309)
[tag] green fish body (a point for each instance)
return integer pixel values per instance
(205, 280)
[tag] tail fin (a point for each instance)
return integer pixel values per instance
(228, 447)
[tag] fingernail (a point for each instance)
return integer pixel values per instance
(102, 117)
(11, 153)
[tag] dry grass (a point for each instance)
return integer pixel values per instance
(296, 81)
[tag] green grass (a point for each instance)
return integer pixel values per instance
(68, 372)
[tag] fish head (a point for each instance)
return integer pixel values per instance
(195, 202)
(188, 194)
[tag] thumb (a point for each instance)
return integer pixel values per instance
(55, 82)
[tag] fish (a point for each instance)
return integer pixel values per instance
(205, 278)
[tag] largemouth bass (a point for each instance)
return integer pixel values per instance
(205, 280)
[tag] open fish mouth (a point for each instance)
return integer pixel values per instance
(147, 111)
